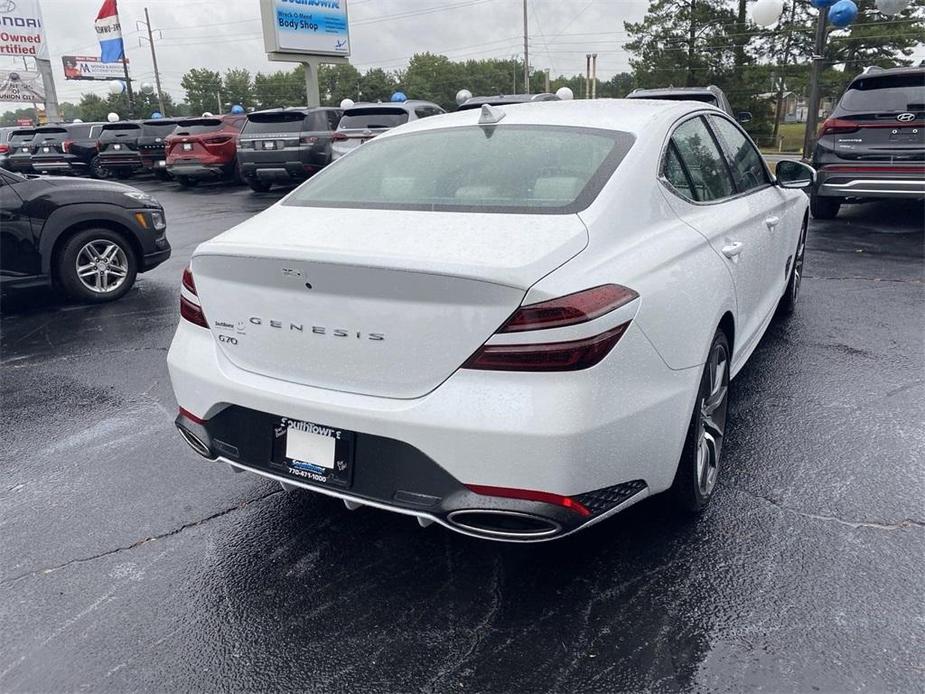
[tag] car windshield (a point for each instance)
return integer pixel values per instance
(111, 132)
(276, 122)
(473, 169)
(199, 126)
(888, 93)
(370, 118)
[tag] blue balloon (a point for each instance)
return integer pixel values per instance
(398, 97)
(842, 13)
(237, 108)
(819, 4)
(157, 114)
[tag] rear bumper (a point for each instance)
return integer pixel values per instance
(277, 171)
(120, 162)
(199, 170)
(876, 182)
(59, 165)
(606, 437)
(20, 164)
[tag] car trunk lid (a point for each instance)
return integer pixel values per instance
(370, 301)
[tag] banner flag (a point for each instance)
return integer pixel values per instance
(109, 33)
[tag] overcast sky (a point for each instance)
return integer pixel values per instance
(219, 34)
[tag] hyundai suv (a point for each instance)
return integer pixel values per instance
(363, 122)
(285, 145)
(70, 148)
(204, 149)
(119, 148)
(873, 144)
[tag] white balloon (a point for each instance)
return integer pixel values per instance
(346, 103)
(462, 96)
(77, 120)
(767, 12)
(207, 114)
(116, 87)
(891, 7)
(147, 88)
(565, 94)
(112, 117)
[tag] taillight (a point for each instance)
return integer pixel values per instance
(531, 495)
(245, 144)
(837, 126)
(4, 149)
(216, 139)
(66, 145)
(543, 355)
(338, 137)
(190, 308)
(308, 139)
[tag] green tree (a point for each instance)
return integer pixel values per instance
(336, 83)
(203, 88)
(376, 84)
(237, 87)
(434, 78)
(280, 88)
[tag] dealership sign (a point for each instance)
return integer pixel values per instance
(306, 27)
(21, 86)
(22, 31)
(89, 67)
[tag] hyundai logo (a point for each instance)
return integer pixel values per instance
(905, 117)
(7, 6)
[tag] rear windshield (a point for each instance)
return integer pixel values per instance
(362, 119)
(20, 137)
(526, 169)
(51, 135)
(199, 126)
(276, 122)
(887, 93)
(120, 130)
(79, 132)
(158, 128)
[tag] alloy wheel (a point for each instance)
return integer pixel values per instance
(713, 405)
(102, 266)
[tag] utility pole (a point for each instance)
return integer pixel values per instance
(812, 116)
(587, 75)
(526, 53)
(157, 74)
(547, 81)
(594, 75)
(692, 36)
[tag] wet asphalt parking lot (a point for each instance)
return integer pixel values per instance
(127, 563)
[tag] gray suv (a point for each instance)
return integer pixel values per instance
(285, 145)
(363, 122)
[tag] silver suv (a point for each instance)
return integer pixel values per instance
(363, 122)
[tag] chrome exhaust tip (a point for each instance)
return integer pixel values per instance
(511, 525)
(196, 443)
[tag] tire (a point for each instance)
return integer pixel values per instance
(108, 278)
(96, 169)
(788, 301)
(824, 208)
(187, 182)
(259, 186)
(161, 175)
(701, 458)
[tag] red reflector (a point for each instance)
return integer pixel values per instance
(192, 313)
(4, 149)
(552, 356)
(309, 139)
(530, 495)
(188, 281)
(190, 416)
(571, 309)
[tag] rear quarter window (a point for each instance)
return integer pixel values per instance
(281, 122)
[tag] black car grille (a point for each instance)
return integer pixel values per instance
(602, 500)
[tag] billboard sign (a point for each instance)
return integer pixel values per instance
(89, 67)
(21, 86)
(306, 27)
(22, 31)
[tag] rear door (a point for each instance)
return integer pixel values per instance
(19, 256)
(880, 118)
(706, 198)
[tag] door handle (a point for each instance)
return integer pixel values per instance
(733, 249)
(772, 222)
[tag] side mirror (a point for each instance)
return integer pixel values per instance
(744, 117)
(794, 174)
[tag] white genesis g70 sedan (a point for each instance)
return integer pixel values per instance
(514, 321)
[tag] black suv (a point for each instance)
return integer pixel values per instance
(285, 145)
(151, 146)
(66, 149)
(19, 157)
(119, 153)
(90, 238)
(873, 144)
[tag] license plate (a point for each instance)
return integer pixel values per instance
(314, 452)
(117, 146)
(187, 147)
(46, 150)
(906, 136)
(269, 144)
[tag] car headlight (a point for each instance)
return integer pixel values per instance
(140, 196)
(157, 218)
(151, 219)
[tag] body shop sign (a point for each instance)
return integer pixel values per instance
(309, 27)
(22, 31)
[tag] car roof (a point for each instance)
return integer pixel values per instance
(404, 105)
(643, 93)
(636, 116)
(876, 71)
